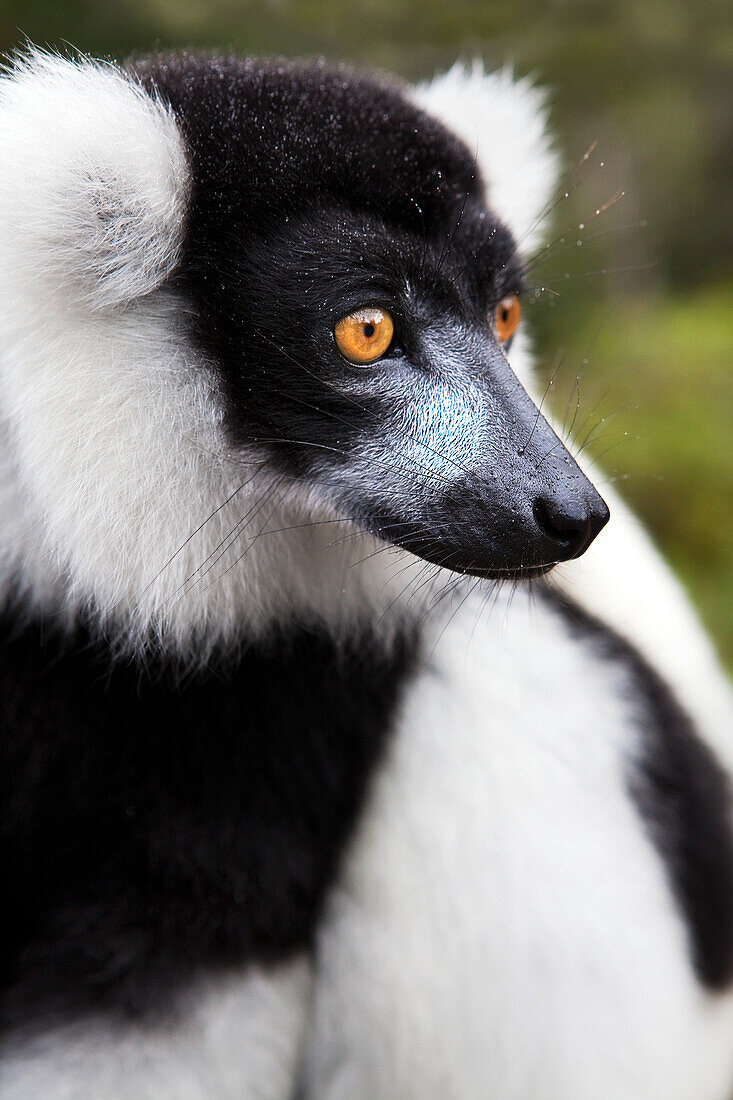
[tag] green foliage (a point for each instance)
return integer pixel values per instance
(648, 386)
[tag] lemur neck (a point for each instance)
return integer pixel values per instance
(122, 503)
(242, 575)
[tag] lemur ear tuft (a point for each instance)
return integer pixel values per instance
(93, 182)
(504, 122)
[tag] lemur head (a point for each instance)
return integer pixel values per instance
(255, 328)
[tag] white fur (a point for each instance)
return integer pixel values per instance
(623, 581)
(504, 927)
(118, 490)
(238, 1039)
(503, 122)
(92, 188)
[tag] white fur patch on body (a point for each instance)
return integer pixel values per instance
(239, 1038)
(504, 927)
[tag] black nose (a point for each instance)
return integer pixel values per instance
(572, 523)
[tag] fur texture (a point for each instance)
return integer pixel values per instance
(236, 1036)
(292, 808)
(504, 122)
(193, 828)
(125, 495)
(523, 932)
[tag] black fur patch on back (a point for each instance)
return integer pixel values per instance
(682, 794)
(154, 832)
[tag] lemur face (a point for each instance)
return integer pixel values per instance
(359, 298)
(252, 316)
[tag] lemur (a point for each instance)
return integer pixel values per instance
(315, 785)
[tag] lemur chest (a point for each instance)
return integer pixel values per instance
(510, 921)
(537, 859)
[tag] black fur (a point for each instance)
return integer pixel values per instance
(682, 794)
(316, 191)
(154, 831)
(157, 829)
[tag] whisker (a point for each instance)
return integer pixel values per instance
(341, 451)
(606, 271)
(255, 538)
(564, 192)
(200, 528)
(586, 239)
(546, 250)
(548, 453)
(453, 614)
(445, 253)
(522, 449)
(230, 536)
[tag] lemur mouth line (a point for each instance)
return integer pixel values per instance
(498, 573)
(520, 573)
(495, 573)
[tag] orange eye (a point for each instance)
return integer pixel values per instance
(364, 335)
(507, 317)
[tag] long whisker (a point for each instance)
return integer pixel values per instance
(445, 253)
(564, 192)
(340, 451)
(475, 254)
(453, 614)
(193, 579)
(200, 527)
(522, 449)
(226, 543)
(261, 503)
(553, 253)
(606, 271)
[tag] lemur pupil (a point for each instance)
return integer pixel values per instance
(368, 330)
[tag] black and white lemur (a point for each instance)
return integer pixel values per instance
(299, 799)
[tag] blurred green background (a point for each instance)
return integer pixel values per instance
(635, 316)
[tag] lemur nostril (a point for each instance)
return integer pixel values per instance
(573, 524)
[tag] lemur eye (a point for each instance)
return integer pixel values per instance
(364, 335)
(506, 317)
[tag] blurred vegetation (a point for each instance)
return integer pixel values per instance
(636, 318)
